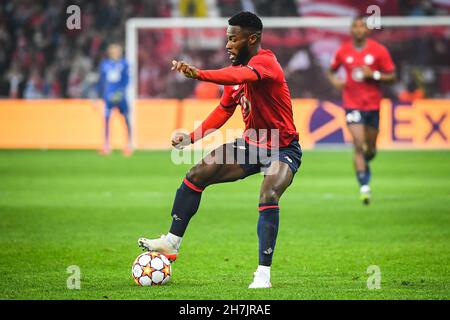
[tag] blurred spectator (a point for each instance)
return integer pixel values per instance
(414, 89)
(35, 87)
(193, 8)
(281, 8)
(40, 57)
(16, 81)
(230, 7)
(416, 7)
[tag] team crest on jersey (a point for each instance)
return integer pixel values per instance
(237, 92)
(349, 59)
(114, 74)
(369, 59)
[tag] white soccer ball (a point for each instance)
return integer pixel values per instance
(151, 269)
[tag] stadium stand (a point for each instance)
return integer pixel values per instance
(41, 58)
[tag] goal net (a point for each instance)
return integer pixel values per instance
(304, 47)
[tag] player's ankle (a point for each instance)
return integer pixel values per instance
(174, 240)
(263, 271)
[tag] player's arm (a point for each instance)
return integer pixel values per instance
(378, 75)
(224, 76)
(335, 80)
(126, 75)
(214, 121)
(385, 65)
(332, 72)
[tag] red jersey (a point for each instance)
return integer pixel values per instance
(262, 92)
(359, 93)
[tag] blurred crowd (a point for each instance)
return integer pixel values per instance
(41, 58)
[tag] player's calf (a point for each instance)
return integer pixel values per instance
(268, 222)
(185, 206)
(267, 235)
(370, 154)
(186, 203)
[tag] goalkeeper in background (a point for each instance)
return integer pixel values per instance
(112, 86)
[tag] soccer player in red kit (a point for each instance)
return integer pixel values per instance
(367, 63)
(256, 82)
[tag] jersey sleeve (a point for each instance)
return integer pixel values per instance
(228, 76)
(227, 100)
(386, 64)
(336, 61)
(264, 66)
(214, 121)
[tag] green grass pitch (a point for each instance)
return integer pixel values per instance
(63, 208)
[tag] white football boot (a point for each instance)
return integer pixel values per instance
(364, 193)
(161, 245)
(261, 279)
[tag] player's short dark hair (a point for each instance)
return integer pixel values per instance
(246, 20)
(114, 43)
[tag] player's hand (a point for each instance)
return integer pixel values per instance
(367, 72)
(337, 83)
(181, 140)
(188, 70)
(117, 96)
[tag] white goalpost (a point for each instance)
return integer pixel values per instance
(133, 26)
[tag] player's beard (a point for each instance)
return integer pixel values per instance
(359, 37)
(242, 56)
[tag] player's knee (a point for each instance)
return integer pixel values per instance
(358, 146)
(194, 176)
(370, 154)
(198, 176)
(269, 196)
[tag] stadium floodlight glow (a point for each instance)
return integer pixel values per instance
(133, 25)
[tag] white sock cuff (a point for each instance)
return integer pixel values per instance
(174, 240)
(264, 269)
